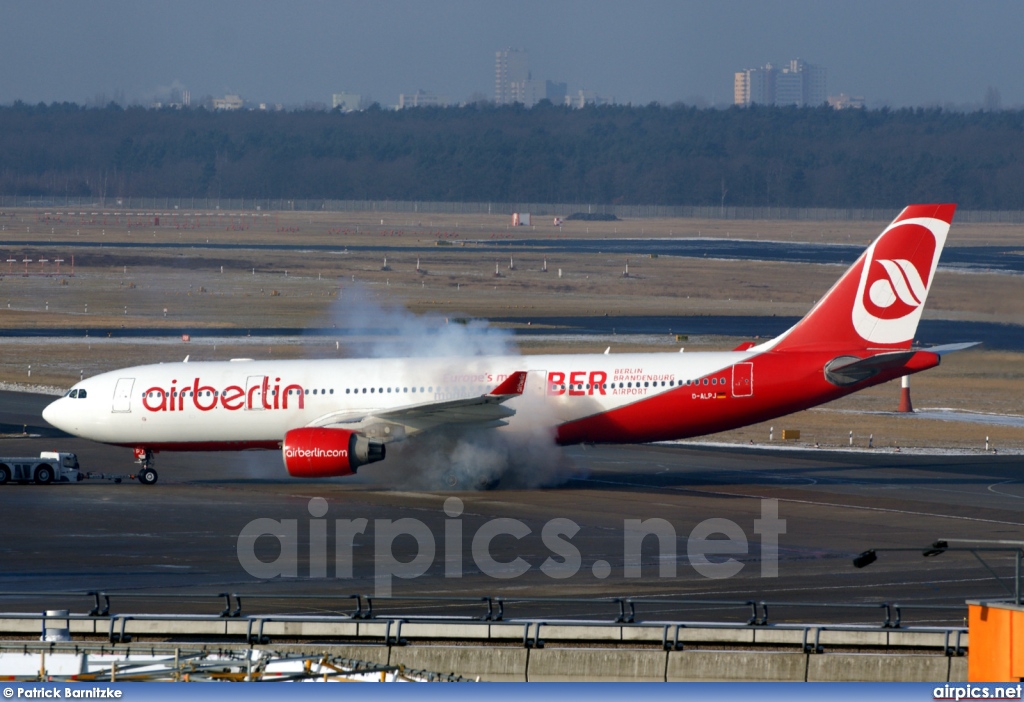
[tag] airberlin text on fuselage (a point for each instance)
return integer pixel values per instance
(234, 397)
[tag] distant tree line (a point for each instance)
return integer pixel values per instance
(759, 156)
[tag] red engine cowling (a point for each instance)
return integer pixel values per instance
(313, 452)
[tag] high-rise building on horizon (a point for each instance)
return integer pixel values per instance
(514, 84)
(754, 86)
(511, 74)
(798, 83)
(813, 81)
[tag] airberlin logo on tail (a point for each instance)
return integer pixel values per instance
(898, 292)
(894, 280)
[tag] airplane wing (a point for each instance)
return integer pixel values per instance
(390, 425)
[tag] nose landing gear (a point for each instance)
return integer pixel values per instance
(146, 475)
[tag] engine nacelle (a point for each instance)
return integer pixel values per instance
(313, 452)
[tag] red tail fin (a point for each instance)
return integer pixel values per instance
(878, 301)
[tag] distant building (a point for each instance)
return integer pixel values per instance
(511, 73)
(842, 101)
(421, 99)
(347, 102)
(789, 88)
(514, 83)
(177, 98)
(555, 92)
(813, 76)
(536, 90)
(799, 83)
(228, 102)
(582, 98)
(755, 86)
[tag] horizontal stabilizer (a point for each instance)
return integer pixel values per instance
(849, 370)
(950, 348)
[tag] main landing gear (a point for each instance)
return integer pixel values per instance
(146, 475)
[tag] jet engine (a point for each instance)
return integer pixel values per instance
(314, 452)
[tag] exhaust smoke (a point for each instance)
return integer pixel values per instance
(521, 455)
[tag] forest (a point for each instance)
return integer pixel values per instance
(652, 155)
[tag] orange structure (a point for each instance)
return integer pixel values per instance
(905, 404)
(996, 640)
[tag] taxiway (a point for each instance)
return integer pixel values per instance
(182, 536)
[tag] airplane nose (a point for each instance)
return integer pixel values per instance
(52, 414)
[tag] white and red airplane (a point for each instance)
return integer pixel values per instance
(329, 417)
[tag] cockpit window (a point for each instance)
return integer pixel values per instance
(81, 393)
(73, 393)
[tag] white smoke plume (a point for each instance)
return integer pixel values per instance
(522, 455)
(392, 331)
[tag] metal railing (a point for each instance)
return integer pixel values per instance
(389, 630)
(481, 608)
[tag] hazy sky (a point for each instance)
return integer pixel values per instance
(891, 52)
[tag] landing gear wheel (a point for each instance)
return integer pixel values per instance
(146, 474)
(5, 475)
(44, 475)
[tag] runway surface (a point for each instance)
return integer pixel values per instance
(183, 535)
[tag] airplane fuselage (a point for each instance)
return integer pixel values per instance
(585, 398)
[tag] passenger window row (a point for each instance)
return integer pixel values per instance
(461, 390)
(216, 393)
(646, 384)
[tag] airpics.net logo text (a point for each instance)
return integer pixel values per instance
(713, 547)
